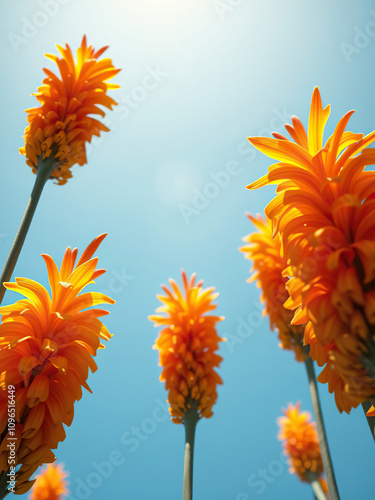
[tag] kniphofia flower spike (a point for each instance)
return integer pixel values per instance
(269, 263)
(59, 128)
(187, 348)
(50, 484)
(325, 213)
(47, 344)
(301, 445)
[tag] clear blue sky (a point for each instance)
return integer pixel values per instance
(198, 77)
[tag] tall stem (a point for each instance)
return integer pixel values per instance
(315, 485)
(326, 457)
(190, 422)
(45, 169)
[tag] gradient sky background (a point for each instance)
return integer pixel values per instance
(225, 70)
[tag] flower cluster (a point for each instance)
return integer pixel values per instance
(47, 344)
(269, 263)
(187, 347)
(60, 127)
(325, 214)
(50, 484)
(301, 443)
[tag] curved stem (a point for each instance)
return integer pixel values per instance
(315, 485)
(326, 457)
(190, 422)
(45, 169)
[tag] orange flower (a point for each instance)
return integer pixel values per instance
(301, 443)
(61, 126)
(269, 262)
(46, 348)
(325, 213)
(50, 484)
(187, 347)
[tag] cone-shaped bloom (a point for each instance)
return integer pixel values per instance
(50, 484)
(301, 443)
(325, 213)
(269, 262)
(187, 347)
(47, 344)
(63, 123)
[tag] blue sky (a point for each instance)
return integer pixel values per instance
(198, 78)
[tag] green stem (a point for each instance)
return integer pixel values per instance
(326, 457)
(4, 484)
(190, 422)
(45, 169)
(315, 485)
(370, 420)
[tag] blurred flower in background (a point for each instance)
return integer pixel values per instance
(269, 263)
(50, 484)
(301, 444)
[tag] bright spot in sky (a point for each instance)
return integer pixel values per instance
(162, 16)
(176, 181)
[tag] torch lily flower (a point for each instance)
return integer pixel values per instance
(301, 444)
(50, 484)
(187, 347)
(59, 128)
(47, 344)
(324, 211)
(269, 263)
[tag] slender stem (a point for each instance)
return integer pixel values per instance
(190, 422)
(370, 420)
(315, 485)
(326, 457)
(3, 484)
(45, 169)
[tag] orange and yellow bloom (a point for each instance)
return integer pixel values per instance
(50, 484)
(47, 344)
(324, 211)
(63, 123)
(187, 347)
(301, 443)
(269, 263)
